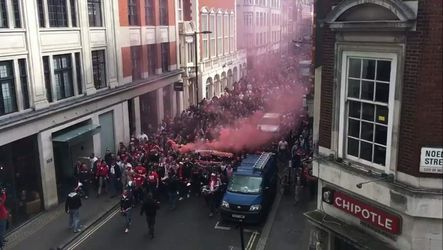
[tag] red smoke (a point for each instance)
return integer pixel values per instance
(243, 135)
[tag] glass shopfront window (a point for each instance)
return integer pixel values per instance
(21, 179)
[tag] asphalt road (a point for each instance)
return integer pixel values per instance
(187, 227)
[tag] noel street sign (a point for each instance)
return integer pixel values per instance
(431, 160)
(370, 214)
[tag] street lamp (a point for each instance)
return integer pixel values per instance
(196, 58)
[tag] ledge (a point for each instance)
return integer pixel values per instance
(426, 203)
(61, 106)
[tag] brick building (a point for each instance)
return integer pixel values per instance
(78, 77)
(220, 63)
(378, 124)
(147, 38)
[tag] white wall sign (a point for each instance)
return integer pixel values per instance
(431, 160)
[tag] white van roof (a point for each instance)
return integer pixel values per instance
(271, 115)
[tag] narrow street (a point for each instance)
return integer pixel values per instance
(189, 227)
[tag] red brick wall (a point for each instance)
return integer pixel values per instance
(126, 61)
(421, 122)
(172, 53)
(326, 48)
(123, 12)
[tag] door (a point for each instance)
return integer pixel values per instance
(107, 132)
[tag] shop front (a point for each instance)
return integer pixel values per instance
(21, 180)
(72, 144)
(347, 222)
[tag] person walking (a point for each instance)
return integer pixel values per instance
(173, 187)
(4, 215)
(126, 206)
(72, 207)
(102, 176)
(115, 176)
(149, 208)
(84, 176)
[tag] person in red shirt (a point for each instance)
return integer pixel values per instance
(102, 175)
(4, 215)
(139, 179)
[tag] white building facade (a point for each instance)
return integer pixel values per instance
(259, 26)
(220, 63)
(63, 95)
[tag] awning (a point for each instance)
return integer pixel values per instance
(353, 234)
(77, 133)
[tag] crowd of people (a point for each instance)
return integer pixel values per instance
(152, 168)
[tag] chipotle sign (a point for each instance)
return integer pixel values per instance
(372, 215)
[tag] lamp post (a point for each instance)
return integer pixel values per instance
(196, 58)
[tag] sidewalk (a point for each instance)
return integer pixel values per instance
(290, 229)
(50, 229)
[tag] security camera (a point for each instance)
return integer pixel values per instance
(359, 185)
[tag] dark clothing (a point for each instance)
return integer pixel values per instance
(173, 184)
(149, 207)
(108, 158)
(73, 201)
(126, 202)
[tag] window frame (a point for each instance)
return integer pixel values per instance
(96, 20)
(231, 32)
(226, 34)
(152, 59)
(219, 26)
(132, 13)
(180, 10)
(205, 37)
(212, 37)
(136, 60)
(164, 15)
(60, 71)
(11, 81)
(4, 24)
(149, 13)
(343, 110)
(57, 19)
(16, 7)
(24, 79)
(100, 66)
(164, 55)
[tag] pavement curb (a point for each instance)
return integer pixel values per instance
(77, 236)
(261, 244)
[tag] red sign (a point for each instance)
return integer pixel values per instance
(372, 215)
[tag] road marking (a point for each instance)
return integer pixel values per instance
(246, 230)
(93, 230)
(221, 227)
(261, 244)
(251, 240)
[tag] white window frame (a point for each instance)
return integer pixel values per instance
(180, 10)
(231, 32)
(219, 25)
(342, 136)
(205, 37)
(212, 45)
(226, 33)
